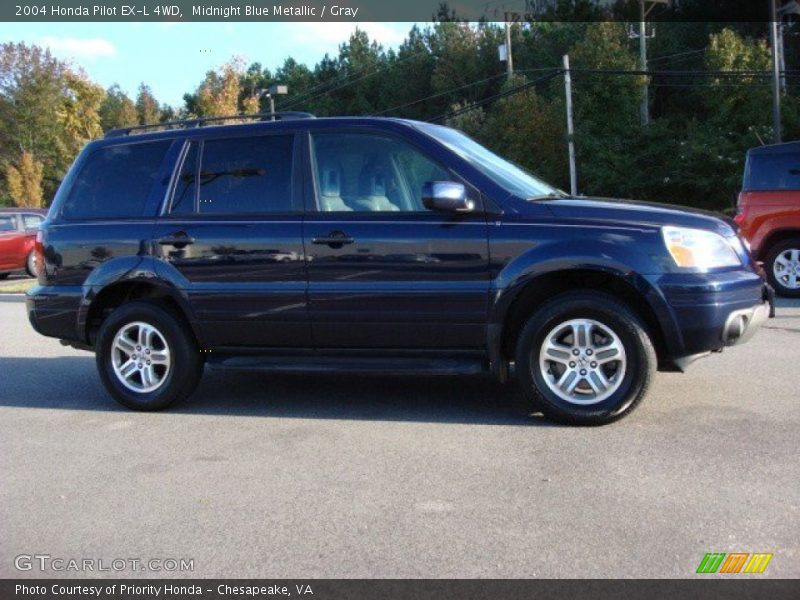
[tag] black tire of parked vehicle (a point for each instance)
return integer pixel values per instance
(4, 275)
(769, 264)
(641, 360)
(30, 264)
(186, 366)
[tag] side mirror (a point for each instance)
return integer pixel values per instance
(447, 196)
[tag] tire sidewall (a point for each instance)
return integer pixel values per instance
(769, 263)
(180, 352)
(30, 267)
(612, 315)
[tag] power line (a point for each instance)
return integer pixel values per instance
(668, 56)
(309, 95)
(503, 94)
(438, 94)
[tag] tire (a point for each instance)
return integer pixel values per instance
(173, 376)
(30, 264)
(782, 264)
(613, 334)
(4, 275)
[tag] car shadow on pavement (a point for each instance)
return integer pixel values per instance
(71, 383)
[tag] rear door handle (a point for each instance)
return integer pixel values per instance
(179, 239)
(335, 239)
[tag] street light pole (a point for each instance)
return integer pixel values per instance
(270, 94)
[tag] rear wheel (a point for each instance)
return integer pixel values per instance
(30, 264)
(782, 265)
(147, 356)
(4, 275)
(584, 358)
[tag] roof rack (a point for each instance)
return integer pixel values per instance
(202, 121)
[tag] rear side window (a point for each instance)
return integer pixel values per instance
(32, 221)
(236, 176)
(184, 198)
(772, 172)
(115, 181)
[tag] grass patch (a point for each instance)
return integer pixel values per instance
(16, 286)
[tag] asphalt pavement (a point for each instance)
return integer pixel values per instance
(347, 476)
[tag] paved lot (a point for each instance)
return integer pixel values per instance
(358, 477)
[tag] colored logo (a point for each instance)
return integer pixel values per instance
(735, 562)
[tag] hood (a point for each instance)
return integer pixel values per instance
(629, 212)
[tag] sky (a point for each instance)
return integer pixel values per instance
(173, 58)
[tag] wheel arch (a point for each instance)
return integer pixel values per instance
(775, 237)
(513, 307)
(109, 288)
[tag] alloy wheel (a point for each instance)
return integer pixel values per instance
(786, 268)
(582, 361)
(140, 357)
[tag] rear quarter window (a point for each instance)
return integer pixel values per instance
(114, 181)
(764, 172)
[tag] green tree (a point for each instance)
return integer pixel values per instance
(79, 114)
(117, 110)
(606, 109)
(33, 85)
(25, 181)
(147, 107)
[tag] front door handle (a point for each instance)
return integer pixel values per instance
(179, 239)
(335, 239)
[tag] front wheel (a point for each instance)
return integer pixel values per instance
(584, 358)
(782, 265)
(147, 356)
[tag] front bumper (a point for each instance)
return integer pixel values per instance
(708, 312)
(739, 327)
(742, 324)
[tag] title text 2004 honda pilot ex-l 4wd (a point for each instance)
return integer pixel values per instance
(376, 245)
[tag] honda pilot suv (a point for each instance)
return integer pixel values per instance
(379, 246)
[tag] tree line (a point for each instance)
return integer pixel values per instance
(710, 100)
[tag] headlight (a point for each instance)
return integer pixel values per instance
(699, 248)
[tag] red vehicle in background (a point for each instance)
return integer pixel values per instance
(18, 228)
(769, 213)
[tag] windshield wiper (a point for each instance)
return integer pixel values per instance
(549, 196)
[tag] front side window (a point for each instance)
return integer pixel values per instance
(371, 173)
(7, 223)
(115, 181)
(236, 176)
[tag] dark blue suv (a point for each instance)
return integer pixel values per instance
(375, 245)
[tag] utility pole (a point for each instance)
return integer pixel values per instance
(776, 74)
(573, 172)
(790, 8)
(645, 109)
(509, 57)
(504, 50)
(644, 10)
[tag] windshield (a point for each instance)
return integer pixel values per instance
(504, 173)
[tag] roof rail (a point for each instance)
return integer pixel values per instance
(202, 121)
